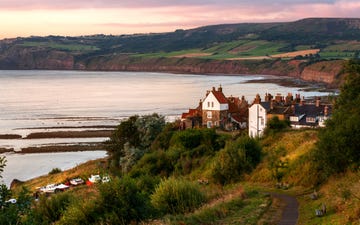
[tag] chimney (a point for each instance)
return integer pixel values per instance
(257, 99)
(220, 88)
(278, 97)
(213, 89)
(326, 110)
(207, 93)
(293, 109)
(272, 104)
(289, 98)
(302, 101)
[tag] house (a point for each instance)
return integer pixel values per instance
(217, 110)
(192, 118)
(295, 110)
(214, 108)
(309, 115)
(258, 117)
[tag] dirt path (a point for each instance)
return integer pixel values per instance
(290, 212)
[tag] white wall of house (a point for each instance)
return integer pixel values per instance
(257, 120)
(211, 103)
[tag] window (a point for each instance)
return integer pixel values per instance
(310, 119)
(212, 104)
(208, 103)
(262, 121)
(209, 114)
(209, 124)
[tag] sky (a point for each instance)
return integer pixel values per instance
(23, 18)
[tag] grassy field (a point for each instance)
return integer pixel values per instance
(66, 47)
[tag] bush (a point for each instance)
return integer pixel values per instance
(338, 145)
(177, 196)
(276, 125)
(235, 159)
(125, 198)
(49, 210)
(55, 171)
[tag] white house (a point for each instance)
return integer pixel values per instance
(214, 108)
(257, 117)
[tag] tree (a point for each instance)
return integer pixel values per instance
(275, 125)
(2, 165)
(11, 213)
(339, 147)
(132, 138)
(235, 159)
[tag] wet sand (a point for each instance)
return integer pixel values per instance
(63, 147)
(291, 82)
(70, 134)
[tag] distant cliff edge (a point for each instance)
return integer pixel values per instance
(328, 72)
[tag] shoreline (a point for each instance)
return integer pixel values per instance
(54, 147)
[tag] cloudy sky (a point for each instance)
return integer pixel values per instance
(82, 17)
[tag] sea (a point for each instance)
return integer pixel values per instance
(45, 100)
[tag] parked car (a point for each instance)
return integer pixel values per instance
(95, 178)
(76, 181)
(105, 179)
(52, 188)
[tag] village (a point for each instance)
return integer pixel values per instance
(235, 113)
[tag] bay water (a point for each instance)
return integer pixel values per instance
(33, 101)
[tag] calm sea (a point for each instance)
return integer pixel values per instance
(43, 100)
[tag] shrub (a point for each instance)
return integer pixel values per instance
(125, 198)
(235, 159)
(55, 171)
(177, 196)
(49, 210)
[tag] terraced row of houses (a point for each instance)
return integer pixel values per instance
(234, 113)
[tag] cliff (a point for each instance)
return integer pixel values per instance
(35, 58)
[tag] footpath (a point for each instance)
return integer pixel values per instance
(290, 212)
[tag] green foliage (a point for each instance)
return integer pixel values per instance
(177, 196)
(132, 138)
(235, 159)
(235, 211)
(55, 171)
(192, 138)
(156, 163)
(125, 198)
(278, 166)
(14, 213)
(162, 141)
(338, 146)
(149, 127)
(2, 164)
(275, 125)
(82, 212)
(49, 210)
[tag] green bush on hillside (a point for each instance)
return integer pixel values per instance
(338, 146)
(49, 210)
(135, 134)
(176, 196)
(235, 159)
(125, 198)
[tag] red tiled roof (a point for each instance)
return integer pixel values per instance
(191, 113)
(220, 97)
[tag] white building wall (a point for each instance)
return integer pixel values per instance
(211, 103)
(257, 120)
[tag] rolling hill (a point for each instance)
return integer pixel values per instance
(297, 44)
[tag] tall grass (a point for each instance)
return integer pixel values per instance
(177, 196)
